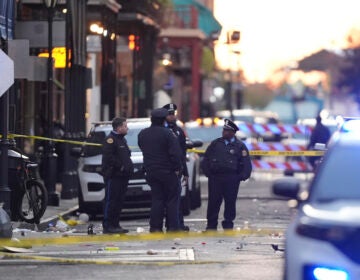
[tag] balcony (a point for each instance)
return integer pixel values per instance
(191, 17)
(182, 16)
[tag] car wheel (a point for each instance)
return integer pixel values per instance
(195, 194)
(185, 202)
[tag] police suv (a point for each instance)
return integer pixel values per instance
(138, 196)
(323, 239)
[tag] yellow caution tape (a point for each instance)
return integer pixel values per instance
(286, 153)
(74, 239)
(198, 151)
(54, 140)
(110, 262)
(26, 242)
(274, 153)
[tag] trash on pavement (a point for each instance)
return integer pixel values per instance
(151, 252)
(140, 230)
(83, 217)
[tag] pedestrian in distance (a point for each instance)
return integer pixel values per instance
(320, 134)
(117, 168)
(181, 137)
(163, 166)
(226, 163)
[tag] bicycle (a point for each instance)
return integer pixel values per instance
(29, 196)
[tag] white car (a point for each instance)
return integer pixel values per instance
(323, 239)
(91, 184)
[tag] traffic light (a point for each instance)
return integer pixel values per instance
(134, 42)
(131, 43)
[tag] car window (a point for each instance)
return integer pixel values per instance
(247, 119)
(132, 139)
(206, 134)
(99, 136)
(338, 177)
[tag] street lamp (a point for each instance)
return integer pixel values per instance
(50, 164)
(228, 92)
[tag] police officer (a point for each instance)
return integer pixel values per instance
(163, 164)
(226, 162)
(117, 168)
(320, 134)
(179, 133)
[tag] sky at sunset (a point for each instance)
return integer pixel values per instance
(277, 33)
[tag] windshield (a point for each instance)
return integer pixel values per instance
(132, 139)
(338, 177)
(99, 136)
(204, 133)
(246, 119)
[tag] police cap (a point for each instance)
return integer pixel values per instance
(230, 125)
(171, 107)
(159, 113)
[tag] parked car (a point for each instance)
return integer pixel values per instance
(322, 240)
(138, 196)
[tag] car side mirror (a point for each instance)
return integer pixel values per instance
(190, 144)
(76, 152)
(197, 143)
(287, 187)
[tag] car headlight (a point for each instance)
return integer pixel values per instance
(326, 232)
(320, 272)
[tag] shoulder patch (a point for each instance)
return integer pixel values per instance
(244, 153)
(110, 140)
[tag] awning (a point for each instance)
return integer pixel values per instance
(207, 22)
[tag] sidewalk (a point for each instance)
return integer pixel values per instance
(51, 215)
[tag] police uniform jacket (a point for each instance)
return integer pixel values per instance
(179, 133)
(116, 160)
(160, 149)
(232, 158)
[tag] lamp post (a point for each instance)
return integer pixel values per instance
(50, 164)
(238, 88)
(228, 92)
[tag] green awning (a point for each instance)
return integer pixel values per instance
(207, 22)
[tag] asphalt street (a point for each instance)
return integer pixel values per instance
(245, 253)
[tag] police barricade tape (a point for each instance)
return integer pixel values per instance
(281, 150)
(265, 149)
(310, 153)
(275, 146)
(54, 140)
(300, 166)
(274, 128)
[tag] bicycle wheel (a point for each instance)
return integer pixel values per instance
(33, 202)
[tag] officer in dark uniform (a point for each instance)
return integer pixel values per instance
(163, 166)
(226, 162)
(117, 168)
(171, 122)
(320, 134)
